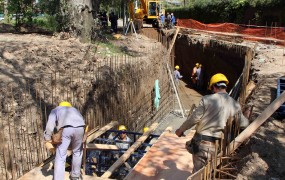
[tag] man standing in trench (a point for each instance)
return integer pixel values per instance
(209, 119)
(194, 75)
(67, 117)
(177, 75)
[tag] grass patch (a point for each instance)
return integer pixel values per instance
(107, 48)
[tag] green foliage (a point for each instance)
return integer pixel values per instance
(1, 6)
(236, 11)
(50, 7)
(47, 22)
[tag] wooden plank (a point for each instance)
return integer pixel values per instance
(101, 147)
(128, 153)
(244, 135)
(172, 42)
(166, 159)
(249, 88)
(101, 131)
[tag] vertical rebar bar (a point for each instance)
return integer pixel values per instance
(10, 150)
(28, 150)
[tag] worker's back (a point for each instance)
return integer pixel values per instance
(67, 116)
(218, 108)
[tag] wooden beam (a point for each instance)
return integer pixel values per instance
(172, 42)
(101, 131)
(249, 88)
(244, 135)
(101, 147)
(128, 153)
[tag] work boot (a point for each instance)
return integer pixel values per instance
(75, 178)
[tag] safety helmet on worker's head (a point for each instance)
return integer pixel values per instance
(122, 128)
(177, 67)
(65, 103)
(219, 77)
(197, 64)
(145, 129)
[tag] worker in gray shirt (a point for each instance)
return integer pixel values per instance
(67, 117)
(209, 120)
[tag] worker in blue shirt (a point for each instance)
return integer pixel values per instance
(71, 121)
(177, 75)
(173, 20)
(162, 20)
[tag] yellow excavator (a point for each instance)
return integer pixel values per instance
(145, 11)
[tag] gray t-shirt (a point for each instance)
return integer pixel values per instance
(65, 116)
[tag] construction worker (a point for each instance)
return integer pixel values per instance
(67, 117)
(194, 75)
(162, 20)
(173, 20)
(177, 75)
(123, 137)
(113, 18)
(168, 20)
(209, 120)
(200, 74)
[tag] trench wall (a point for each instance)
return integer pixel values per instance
(215, 56)
(117, 88)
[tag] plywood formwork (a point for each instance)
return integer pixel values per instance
(166, 159)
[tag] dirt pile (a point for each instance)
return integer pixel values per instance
(263, 155)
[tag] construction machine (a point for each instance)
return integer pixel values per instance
(145, 11)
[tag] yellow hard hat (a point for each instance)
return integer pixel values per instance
(65, 103)
(197, 64)
(145, 129)
(219, 77)
(177, 67)
(122, 128)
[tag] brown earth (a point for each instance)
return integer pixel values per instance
(262, 157)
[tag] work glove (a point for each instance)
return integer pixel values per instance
(179, 133)
(50, 147)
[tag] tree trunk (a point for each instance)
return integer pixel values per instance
(80, 18)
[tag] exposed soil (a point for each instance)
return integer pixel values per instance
(24, 57)
(263, 155)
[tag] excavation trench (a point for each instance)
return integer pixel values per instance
(216, 56)
(114, 89)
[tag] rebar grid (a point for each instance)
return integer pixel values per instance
(117, 88)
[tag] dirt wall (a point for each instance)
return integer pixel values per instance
(215, 56)
(37, 75)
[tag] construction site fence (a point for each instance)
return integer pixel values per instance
(118, 88)
(249, 32)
